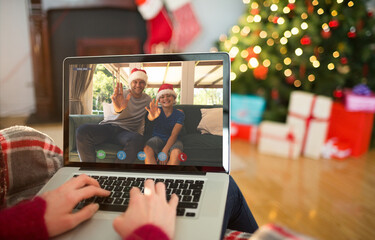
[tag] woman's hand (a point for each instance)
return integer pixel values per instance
(61, 201)
(148, 208)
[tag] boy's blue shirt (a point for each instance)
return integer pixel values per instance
(164, 125)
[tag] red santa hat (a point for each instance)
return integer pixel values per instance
(137, 73)
(166, 89)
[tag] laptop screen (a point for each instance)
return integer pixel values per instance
(166, 111)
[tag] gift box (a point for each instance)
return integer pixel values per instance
(336, 149)
(310, 114)
(357, 102)
(247, 109)
(278, 139)
(355, 128)
(244, 132)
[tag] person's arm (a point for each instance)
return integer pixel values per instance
(24, 220)
(149, 212)
(172, 139)
(118, 100)
(153, 110)
(51, 214)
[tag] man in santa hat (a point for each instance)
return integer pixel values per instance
(127, 126)
(168, 124)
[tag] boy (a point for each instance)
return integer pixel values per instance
(168, 124)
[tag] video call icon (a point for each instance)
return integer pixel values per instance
(121, 155)
(162, 156)
(100, 154)
(141, 155)
(182, 157)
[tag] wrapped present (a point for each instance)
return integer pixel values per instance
(360, 99)
(244, 132)
(278, 139)
(355, 128)
(336, 149)
(310, 114)
(247, 109)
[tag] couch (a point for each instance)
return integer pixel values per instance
(201, 149)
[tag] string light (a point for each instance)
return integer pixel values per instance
(227, 44)
(336, 54)
(295, 31)
(275, 35)
(279, 67)
(235, 29)
(304, 25)
(232, 76)
(320, 11)
(292, 1)
(286, 10)
(287, 61)
(253, 62)
(287, 72)
(297, 83)
(283, 40)
(243, 68)
(274, 7)
(311, 78)
(339, 1)
(331, 66)
(312, 58)
(244, 53)
(280, 21)
(316, 64)
(267, 63)
(304, 16)
(299, 51)
(263, 34)
(245, 31)
(233, 52)
(334, 13)
(283, 50)
(270, 42)
(254, 5)
(250, 18)
(234, 40)
(257, 49)
(246, 1)
(315, 2)
(257, 18)
(350, 4)
(287, 34)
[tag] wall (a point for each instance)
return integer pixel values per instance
(16, 80)
(16, 77)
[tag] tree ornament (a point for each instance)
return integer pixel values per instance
(326, 33)
(275, 18)
(352, 33)
(305, 40)
(370, 14)
(344, 60)
(251, 52)
(260, 72)
(334, 24)
(254, 11)
(361, 89)
(290, 80)
(338, 93)
(291, 6)
(275, 94)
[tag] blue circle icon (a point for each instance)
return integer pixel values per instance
(162, 156)
(141, 155)
(121, 155)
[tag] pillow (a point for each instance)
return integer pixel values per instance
(211, 122)
(109, 111)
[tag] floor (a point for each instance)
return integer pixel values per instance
(325, 199)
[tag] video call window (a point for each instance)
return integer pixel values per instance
(199, 89)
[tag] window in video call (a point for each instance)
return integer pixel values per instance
(161, 113)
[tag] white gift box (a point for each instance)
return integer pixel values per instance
(310, 114)
(278, 139)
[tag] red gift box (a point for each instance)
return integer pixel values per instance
(245, 132)
(355, 128)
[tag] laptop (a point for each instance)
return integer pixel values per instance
(202, 83)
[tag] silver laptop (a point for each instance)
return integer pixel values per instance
(202, 82)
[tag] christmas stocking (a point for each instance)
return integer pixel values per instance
(159, 26)
(186, 26)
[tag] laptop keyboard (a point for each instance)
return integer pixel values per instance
(188, 191)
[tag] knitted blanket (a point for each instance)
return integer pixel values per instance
(28, 159)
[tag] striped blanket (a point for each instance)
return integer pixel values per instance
(28, 158)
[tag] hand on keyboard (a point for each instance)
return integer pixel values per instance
(148, 208)
(61, 202)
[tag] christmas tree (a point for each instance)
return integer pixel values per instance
(320, 46)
